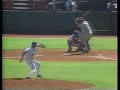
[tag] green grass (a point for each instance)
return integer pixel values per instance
(57, 43)
(21, 43)
(104, 43)
(101, 74)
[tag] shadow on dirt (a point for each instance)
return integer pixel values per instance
(14, 78)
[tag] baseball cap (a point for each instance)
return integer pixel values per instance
(34, 43)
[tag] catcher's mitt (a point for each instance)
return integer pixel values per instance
(75, 40)
(41, 45)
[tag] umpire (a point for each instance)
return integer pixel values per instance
(85, 33)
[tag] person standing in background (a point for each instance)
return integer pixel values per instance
(70, 5)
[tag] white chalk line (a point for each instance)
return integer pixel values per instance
(102, 57)
(99, 56)
(19, 56)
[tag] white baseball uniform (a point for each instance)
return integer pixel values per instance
(85, 32)
(33, 64)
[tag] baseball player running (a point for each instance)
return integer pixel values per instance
(33, 64)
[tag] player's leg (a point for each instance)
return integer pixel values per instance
(69, 43)
(85, 48)
(37, 65)
(78, 47)
(88, 47)
(33, 68)
(87, 43)
(81, 47)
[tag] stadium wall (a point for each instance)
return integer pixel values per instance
(38, 23)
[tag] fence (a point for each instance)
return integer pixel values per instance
(36, 22)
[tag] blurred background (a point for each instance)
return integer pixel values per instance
(57, 16)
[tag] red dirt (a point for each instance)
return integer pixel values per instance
(55, 55)
(45, 83)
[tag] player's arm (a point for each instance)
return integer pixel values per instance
(41, 45)
(22, 55)
(70, 38)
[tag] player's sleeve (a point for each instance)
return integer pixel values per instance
(26, 50)
(70, 38)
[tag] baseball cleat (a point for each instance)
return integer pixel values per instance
(80, 53)
(69, 51)
(39, 76)
(28, 78)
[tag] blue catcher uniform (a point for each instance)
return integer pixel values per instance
(70, 41)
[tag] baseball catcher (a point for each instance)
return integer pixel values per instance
(74, 41)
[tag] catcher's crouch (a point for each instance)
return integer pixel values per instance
(80, 37)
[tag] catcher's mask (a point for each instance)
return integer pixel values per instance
(75, 35)
(77, 20)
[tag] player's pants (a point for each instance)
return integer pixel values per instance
(35, 67)
(84, 38)
(83, 47)
(71, 43)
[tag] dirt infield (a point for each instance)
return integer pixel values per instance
(54, 55)
(42, 84)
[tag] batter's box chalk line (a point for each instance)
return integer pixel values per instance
(100, 56)
(66, 54)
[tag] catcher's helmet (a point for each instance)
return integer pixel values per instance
(77, 20)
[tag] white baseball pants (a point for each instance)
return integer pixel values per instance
(35, 67)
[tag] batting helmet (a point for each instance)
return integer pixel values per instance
(81, 18)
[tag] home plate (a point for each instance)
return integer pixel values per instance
(66, 54)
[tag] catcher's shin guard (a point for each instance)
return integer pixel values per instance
(69, 46)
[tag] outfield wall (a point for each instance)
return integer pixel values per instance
(36, 22)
